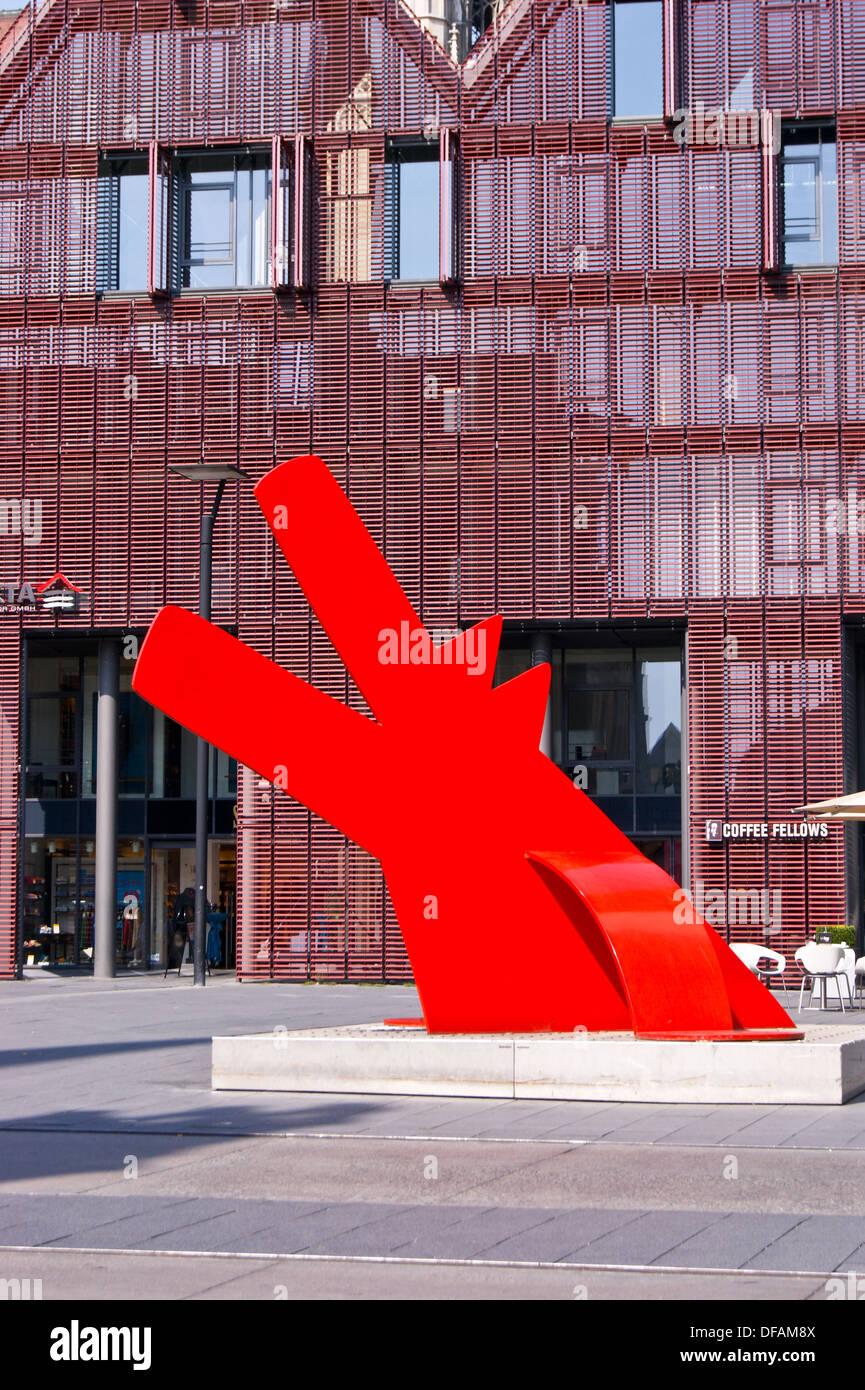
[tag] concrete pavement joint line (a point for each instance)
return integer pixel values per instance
(271, 1258)
(140, 1132)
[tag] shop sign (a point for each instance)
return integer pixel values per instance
(717, 831)
(57, 594)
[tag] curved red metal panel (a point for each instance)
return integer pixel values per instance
(680, 979)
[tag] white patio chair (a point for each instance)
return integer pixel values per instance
(759, 959)
(822, 963)
(748, 954)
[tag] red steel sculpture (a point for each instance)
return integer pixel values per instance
(523, 908)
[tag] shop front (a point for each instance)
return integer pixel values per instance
(154, 846)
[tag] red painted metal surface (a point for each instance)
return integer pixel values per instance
(612, 344)
(457, 840)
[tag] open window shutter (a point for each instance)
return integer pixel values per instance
(448, 207)
(280, 216)
(391, 219)
(769, 182)
(161, 223)
(301, 265)
(107, 230)
(671, 58)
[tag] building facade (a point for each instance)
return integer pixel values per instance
(570, 296)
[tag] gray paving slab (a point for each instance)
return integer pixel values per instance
(310, 1232)
(99, 1221)
(243, 1228)
(40, 1220)
(475, 1234)
(730, 1242)
(400, 1230)
(645, 1240)
(819, 1243)
(555, 1238)
(771, 1130)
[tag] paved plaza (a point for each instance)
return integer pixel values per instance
(123, 1174)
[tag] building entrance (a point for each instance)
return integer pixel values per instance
(172, 899)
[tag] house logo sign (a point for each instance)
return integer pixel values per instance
(57, 594)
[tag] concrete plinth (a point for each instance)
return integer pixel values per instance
(827, 1067)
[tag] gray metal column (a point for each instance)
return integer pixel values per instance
(202, 756)
(105, 869)
(542, 650)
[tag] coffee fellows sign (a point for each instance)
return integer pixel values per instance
(719, 830)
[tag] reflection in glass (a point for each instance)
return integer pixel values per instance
(659, 724)
(173, 759)
(598, 725)
(510, 662)
(598, 669)
(58, 902)
(225, 220)
(608, 781)
(51, 747)
(809, 196)
(52, 673)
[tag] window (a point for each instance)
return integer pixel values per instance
(413, 174)
(223, 207)
(123, 224)
(809, 196)
(204, 219)
(638, 58)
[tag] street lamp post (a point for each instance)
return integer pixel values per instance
(220, 474)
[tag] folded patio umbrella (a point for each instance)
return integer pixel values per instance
(850, 807)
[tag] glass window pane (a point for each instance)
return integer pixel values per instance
(511, 662)
(131, 744)
(52, 674)
(210, 224)
(173, 759)
(598, 668)
(260, 225)
(51, 743)
(53, 908)
(598, 725)
(829, 202)
(800, 197)
(132, 241)
(419, 220)
(659, 724)
(638, 58)
(809, 197)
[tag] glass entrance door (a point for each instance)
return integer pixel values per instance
(172, 874)
(172, 897)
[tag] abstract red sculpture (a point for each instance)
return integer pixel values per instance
(522, 907)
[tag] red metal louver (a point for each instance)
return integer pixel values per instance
(158, 226)
(769, 183)
(448, 207)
